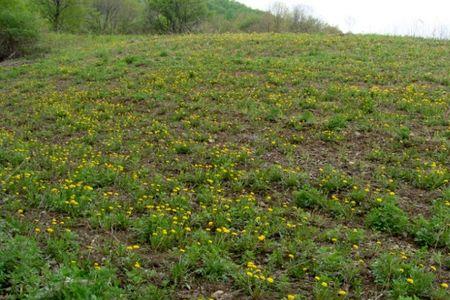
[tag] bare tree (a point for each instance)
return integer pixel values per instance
(297, 17)
(267, 23)
(300, 19)
(114, 16)
(441, 32)
(108, 11)
(280, 13)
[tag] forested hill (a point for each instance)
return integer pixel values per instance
(230, 9)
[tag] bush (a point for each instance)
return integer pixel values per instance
(389, 218)
(308, 198)
(18, 28)
(393, 273)
(434, 232)
(21, 265)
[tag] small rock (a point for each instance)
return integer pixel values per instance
(217, 294)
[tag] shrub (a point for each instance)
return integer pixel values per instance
(434, 231)
(21, 264)
(308, 198)
(389, 218)
(402, 278)
(337, 122)
(71, 282)
(421, 284)
(18, 28)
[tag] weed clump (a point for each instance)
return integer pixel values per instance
(388, 217)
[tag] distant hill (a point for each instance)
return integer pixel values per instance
(232, 16)
(230, 9)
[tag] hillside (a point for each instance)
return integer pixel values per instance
(236, 166)
(230, 9)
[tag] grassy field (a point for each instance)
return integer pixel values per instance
(226, 167)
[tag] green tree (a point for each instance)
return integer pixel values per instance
(18, 28)
(176, 16)
(60, 12)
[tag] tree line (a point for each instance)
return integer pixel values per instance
(173, 16)
(21, 21)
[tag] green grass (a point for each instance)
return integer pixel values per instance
(242, 166)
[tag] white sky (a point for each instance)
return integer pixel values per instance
(410, 17)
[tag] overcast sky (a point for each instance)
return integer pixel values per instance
(418, 17)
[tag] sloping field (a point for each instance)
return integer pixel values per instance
(227, 167)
